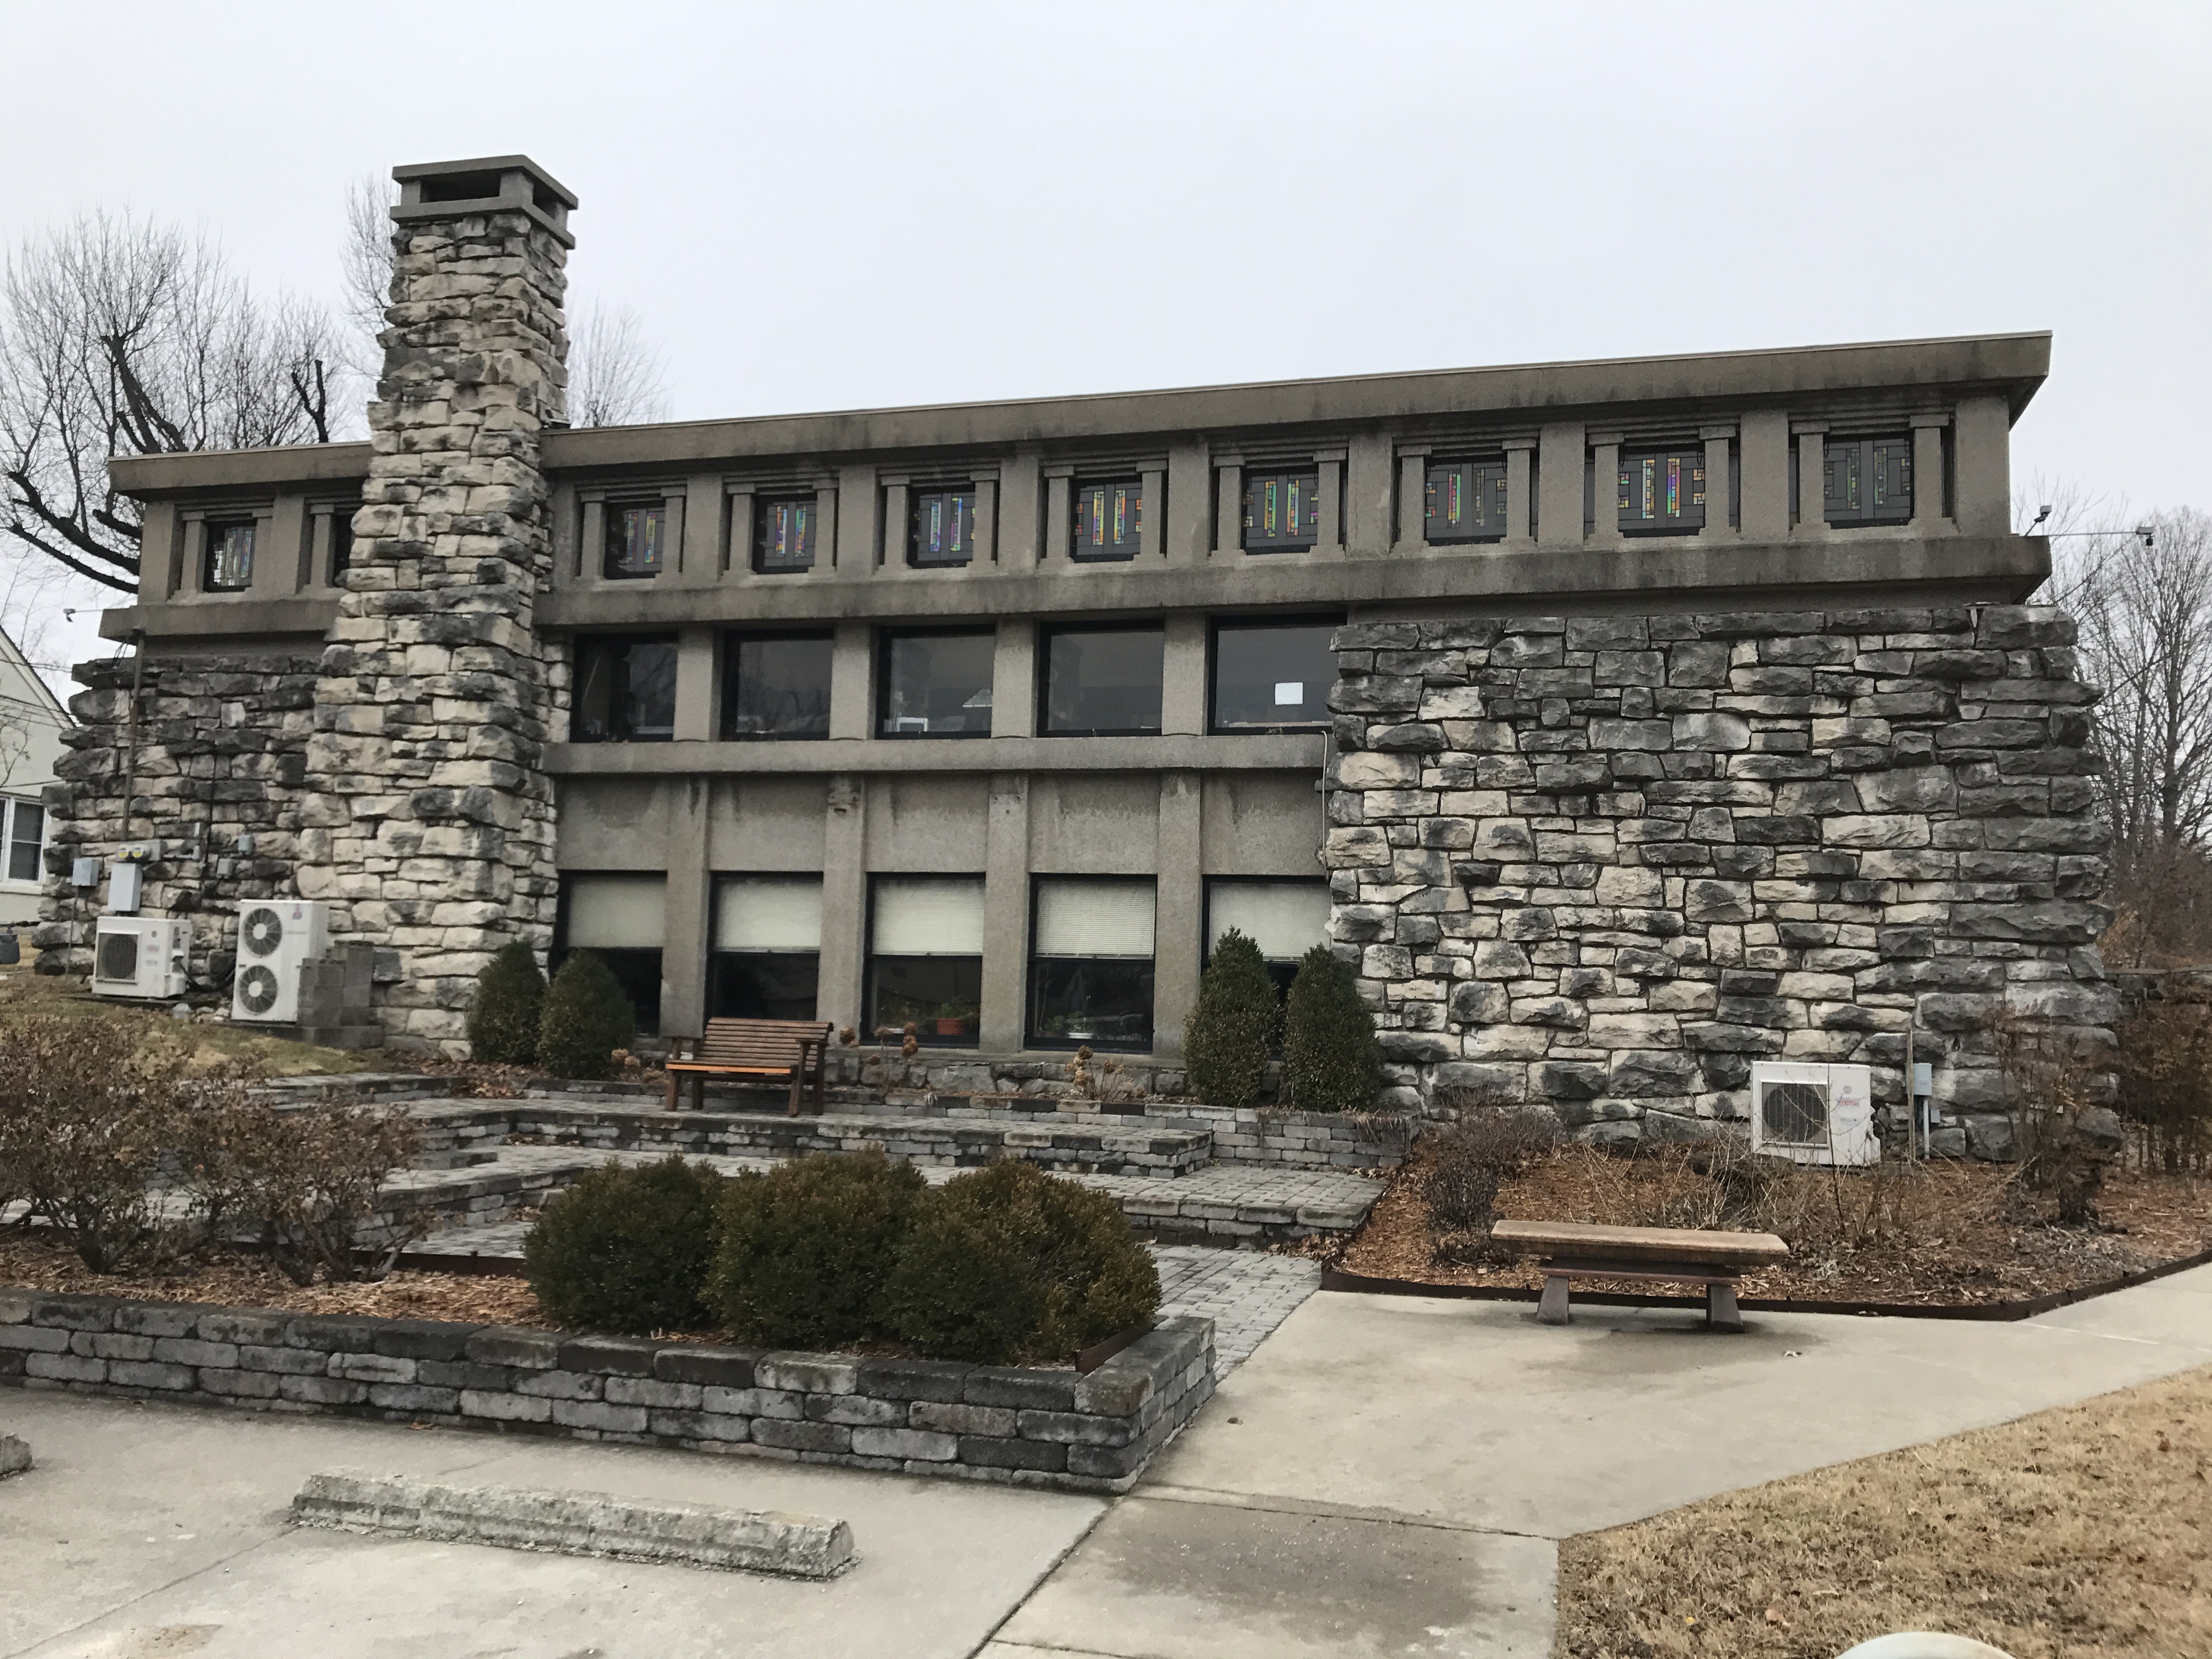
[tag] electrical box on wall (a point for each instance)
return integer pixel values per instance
(125, 885)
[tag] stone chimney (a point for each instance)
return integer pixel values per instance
(428, 817)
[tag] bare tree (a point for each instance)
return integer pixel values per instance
(365, 270)
(615, 379)
(120, 337)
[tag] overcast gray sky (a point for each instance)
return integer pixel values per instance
(826, 206)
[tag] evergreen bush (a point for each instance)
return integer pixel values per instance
(510, 1001)
(1232, 1025)
(628, 1248)
(1007, 1263)
(1331, 1060)
(587, 1016)
(806, 1249)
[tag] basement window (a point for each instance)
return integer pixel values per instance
(1102, 682)
(1464, 502)
(625, 689)
(936, 685)
(1109, 520)
(621, 920)
(1867, 480)
(783, 533)
(926, 958)
(768, 947)
(1282, 511)
(229, 557)
(637, 539)
(1091, 964)
(1662, 492)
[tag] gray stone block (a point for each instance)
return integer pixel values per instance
(1073, 1429)
(855, 1410)
(500, 1407)
(610, 1356)
(66, 1367)
(802, 1437)
(372, 1367)
(151, 1374)
(991, 1452)
(912, 1445)
(913, 1379)
(414, 1397)
(285, 1362)
(34, 1339)
(514, 1346)
(559, 1385)
(649, 1391)
(578, 1523)
(240, 1326)
(238, 1384)
(723, 1368)
(14, 1456)
(996, 1421)
(597, 1414)
(424, 1338)
(807, 1373)
(321, 1391)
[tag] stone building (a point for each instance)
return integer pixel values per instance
(1623, 721)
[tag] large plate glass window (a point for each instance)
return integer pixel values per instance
(229, 557)
(621, 919)
(1282, 510)
(1464, 502)
(926, 957)
(783, 532)
(1273, 676)
(1102, 682)
(638, 538)
(936, 685)
(1091, 963)
(776, 685)
(1867, 480)
(23, 823)
(1284, 919)
(767, 947)
(625, 689)
(941, 525)
(1109, 520)
(1662, 492)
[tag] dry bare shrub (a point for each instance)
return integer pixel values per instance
(2164, 1075)
(310, 1181)
(2063, 1138)
(1468, 1162)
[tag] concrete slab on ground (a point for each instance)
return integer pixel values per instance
(152, 1529)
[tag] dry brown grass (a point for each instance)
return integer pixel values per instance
(2082, 1532)
(21, 989)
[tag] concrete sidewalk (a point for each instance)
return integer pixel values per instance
(163, 1530)
(1388, 1475)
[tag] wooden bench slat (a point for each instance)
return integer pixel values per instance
(792, 1048)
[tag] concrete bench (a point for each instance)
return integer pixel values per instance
(1681, 1255)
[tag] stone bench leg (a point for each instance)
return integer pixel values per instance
(1720, 1311)
(1551, 1309)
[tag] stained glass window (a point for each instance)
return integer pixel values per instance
(638, 538)
(783, 532)
(942, 530)
(1465, 502)
(1663, 491)
(1109, 520)
(1867, 480)
(229, 557)
(1282, 510)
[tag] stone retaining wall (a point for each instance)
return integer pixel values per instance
(1608, 862)
(1089, 1432)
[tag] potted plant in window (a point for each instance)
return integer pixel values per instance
(956, 1018)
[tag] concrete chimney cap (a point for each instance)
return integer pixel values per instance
(488, 184)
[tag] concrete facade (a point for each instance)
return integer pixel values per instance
(437, 851)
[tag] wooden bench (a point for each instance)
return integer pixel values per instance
(1677, 1256)
(779, 1048)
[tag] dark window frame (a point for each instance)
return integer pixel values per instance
(13, 842)
(871, 988)
(807, 502)
(917, 495)
(1216, 626)
(612, 536)
(886, 640)
(1084, 552)
(1032, 1037)
(584, 645)
(213, 532)
(732, 643)
(1047, 634)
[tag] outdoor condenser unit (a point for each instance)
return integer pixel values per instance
(139, 956)
(275, 938)
(1812, 1114)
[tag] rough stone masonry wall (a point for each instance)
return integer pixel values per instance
(221, 754)
(430, 822)
(1608, 861)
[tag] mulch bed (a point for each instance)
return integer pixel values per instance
(1956, 1243)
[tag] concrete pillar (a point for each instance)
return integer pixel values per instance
(1519, 475)
(1981, 450)
(1369, 496)
(1058, 517)
(1186, 523)
(1717, 440)
(705, 523)
(688, 901)
(1928, 493)
(1152, 544)
(1005, 915)
(1229, 505)
(852, 681)
(844, 902)
(858, 522)
(1180, 907)
(1559, 485)
(1605, 504)
(1183, 675)
(697, 674)
(1811, 438)
(1020, 510)
(1410, 531)
(1330, 466)
(280, 540)
(1014, 674)
(1764, 455)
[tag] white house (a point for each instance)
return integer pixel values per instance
(32, 721)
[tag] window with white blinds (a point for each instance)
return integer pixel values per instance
(1284, 919)
(927, 916)
(614, 912)
(768, 912)
(1080, 918)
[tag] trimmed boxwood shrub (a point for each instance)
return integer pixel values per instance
(628, 1248)
(1331, 1060)
(1007, 1263)
(509, 1002)
(806, 1248)
(587, 1016)
(1224, 1046)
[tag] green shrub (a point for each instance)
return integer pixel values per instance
(510, 999)
(587, 1018)
(806, 1247)
(1224, 1046)
(1008, 1263)
(628, 1248)
(1331, 1061)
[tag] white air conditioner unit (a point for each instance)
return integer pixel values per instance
(1812, 1114)
(275, 936)
(140, 955)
